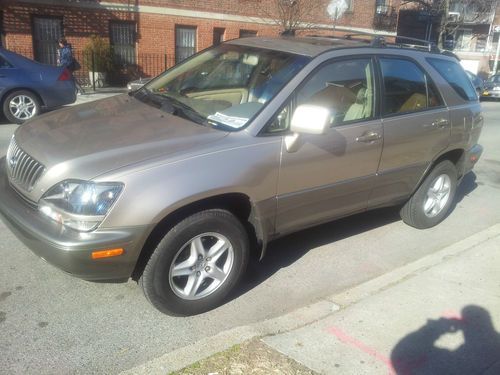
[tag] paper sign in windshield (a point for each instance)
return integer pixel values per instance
(232, 121)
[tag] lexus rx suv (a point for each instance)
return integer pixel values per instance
(178, 183)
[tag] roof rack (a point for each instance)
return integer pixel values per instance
(377, 41)
(380, 41)
(431, 46)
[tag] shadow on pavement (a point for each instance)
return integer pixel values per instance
(285, 251)
(467, 186)
(417, 353)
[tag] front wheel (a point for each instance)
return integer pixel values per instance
(431, 202)
(197, 263)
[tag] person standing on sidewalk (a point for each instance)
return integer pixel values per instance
(65, 59)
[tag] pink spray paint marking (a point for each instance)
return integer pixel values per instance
(452, 314)
(346, 339)
(349, 340)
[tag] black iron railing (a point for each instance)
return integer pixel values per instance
(117, 70)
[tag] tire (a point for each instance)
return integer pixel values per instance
(193, 290)
(27, 104)
(431, 202)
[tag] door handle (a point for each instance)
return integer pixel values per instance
(439, 124)
(369, 137)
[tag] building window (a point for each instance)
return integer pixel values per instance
(350, 5)
(247, 33)
(122, 38)
(185, 42)
(218, 35)
(46, 33)
(381, 7)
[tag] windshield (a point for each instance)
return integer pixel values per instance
(223, 87)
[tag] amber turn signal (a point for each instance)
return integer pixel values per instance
(106, 253)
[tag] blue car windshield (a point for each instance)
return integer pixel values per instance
(224, 87)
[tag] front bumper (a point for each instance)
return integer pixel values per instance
(65, 248)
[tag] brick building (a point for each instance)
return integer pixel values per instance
(154, 34)
(471, 35)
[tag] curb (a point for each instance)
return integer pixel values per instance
(304, 316)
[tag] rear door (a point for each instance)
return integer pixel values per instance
(416, 128)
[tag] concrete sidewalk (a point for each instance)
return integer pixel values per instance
(432, 318)
(89, 95)
(437, 315)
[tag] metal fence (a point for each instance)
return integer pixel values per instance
(117, 71)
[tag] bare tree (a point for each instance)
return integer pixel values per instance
(453, 14)
(292, 15)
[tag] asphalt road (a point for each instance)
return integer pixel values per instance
(51, 323)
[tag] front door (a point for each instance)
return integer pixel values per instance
(332, 175)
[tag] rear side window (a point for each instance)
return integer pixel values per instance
(455, 75)
(407, 88)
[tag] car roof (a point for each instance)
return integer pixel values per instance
(307, 46)
(314, 45)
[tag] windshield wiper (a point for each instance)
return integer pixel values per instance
(176, 107)
(147, 96)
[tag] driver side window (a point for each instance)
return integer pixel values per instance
(345, 87)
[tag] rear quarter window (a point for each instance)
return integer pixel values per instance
(455, 75)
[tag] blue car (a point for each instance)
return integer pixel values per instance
(28, 87)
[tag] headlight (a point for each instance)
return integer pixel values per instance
(81, 205)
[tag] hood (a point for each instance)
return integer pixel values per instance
(88, 140)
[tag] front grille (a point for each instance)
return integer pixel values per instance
(23, 170)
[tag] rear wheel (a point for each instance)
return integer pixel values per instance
(20, 106)
(196, 264)
(430, 204)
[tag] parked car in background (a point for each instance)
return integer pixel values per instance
(28, 87)
(476, 81)
(137, 84)
(492, 87)
(178, 183)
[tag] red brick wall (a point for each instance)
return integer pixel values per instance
(156, 32)
(78, 23)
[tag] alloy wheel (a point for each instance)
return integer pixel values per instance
(201, 266)
(22, 107)
(437, 196)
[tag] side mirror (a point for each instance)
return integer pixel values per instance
(307, 119)
(311, 119)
